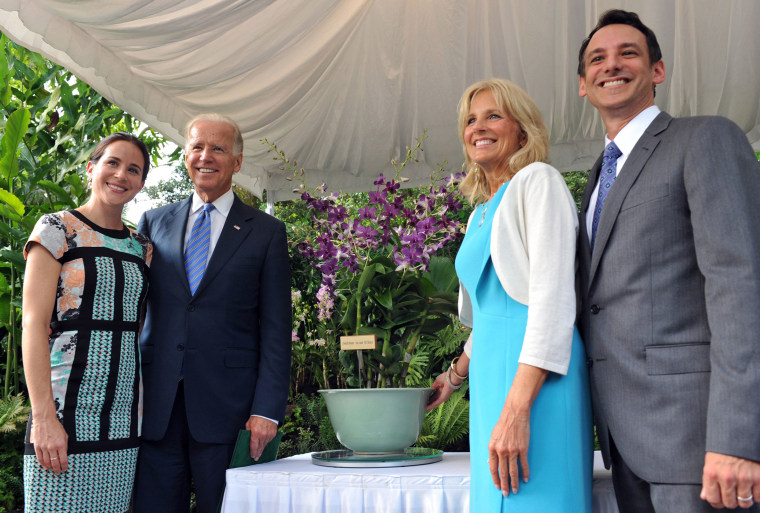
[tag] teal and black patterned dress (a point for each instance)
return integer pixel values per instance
(95, 365)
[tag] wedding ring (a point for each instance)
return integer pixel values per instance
(51, 459)
(745, 499)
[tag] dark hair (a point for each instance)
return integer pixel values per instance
(100, 149)
(620, 17)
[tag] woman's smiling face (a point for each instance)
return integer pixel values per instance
(490, 135)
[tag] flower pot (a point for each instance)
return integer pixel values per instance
(377, 420)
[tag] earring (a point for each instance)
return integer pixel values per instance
(89, 182)
(475, 171)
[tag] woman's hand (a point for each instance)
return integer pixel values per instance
(510, 437)
(508, 447)
(50, 443)
(441, 392)
(444, 384)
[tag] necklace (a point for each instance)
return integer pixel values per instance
(485, 207)
(483, 214)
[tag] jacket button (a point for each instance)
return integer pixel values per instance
(190, 308)
(180, 347)
(595, 309)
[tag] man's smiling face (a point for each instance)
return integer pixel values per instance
(619, 78)
(210, 158)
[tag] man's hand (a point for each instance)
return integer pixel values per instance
(726, 478)
(262, 431)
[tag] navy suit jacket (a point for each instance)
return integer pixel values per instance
(231, 339)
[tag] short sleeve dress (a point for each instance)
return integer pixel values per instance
(95, 364)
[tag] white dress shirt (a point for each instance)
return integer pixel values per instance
(625, 140)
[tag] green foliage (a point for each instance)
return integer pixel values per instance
(176, 187)
(49, 123)
(307, 428)
(438, 352)
(401, 308)
(576, 182)
(13, 415)
(447, 424)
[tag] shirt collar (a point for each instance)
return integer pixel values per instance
(627, 138)
(223, 203)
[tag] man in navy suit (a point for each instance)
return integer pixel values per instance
(215, 360)
(669, 253)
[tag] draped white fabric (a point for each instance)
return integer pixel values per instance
(343, 86)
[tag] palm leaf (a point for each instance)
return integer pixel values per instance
(13, 413)
(446, 424)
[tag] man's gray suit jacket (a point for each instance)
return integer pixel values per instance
(670, 300)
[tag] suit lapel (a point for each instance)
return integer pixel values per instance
(236, 229)
(584, 249)
(176, 224)
(632, 168)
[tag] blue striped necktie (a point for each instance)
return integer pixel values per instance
(196, 252)
(606, 179)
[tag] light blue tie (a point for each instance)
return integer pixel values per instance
(606, 179)
(196, 252)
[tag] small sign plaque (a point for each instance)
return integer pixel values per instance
(353, 342)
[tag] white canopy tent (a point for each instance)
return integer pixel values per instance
(343, 86)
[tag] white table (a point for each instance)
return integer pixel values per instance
(295, 485)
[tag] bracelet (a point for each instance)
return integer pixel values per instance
(454, 369)
(448, 380)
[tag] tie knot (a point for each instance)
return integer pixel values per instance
(208, 207)
(612, 151)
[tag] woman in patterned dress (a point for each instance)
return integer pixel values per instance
(83, 290)
(530, 412)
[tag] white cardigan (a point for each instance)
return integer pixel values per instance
(533, 240)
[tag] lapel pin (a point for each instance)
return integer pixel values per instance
(235, 226)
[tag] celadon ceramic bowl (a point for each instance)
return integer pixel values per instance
(377, 420)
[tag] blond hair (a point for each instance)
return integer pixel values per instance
(237, 145)
(514, 102)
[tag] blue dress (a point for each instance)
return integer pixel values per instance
(560, 452)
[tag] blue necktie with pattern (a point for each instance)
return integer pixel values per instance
(606, 179)
(196, 252)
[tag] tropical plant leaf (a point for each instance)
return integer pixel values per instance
(12, 201)
(5, 83)
(13, 257)
(13, 413)
(442, 274)
(52, 103)
(15, 129)
(418, 366)
(59, 192)
(446, 424)
(366, 277)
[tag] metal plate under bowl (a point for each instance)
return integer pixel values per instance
(346, 458)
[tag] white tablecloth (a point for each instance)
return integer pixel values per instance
(295, 485)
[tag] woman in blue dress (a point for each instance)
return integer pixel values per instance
(530, 415)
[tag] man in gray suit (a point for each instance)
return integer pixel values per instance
(670, 287)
